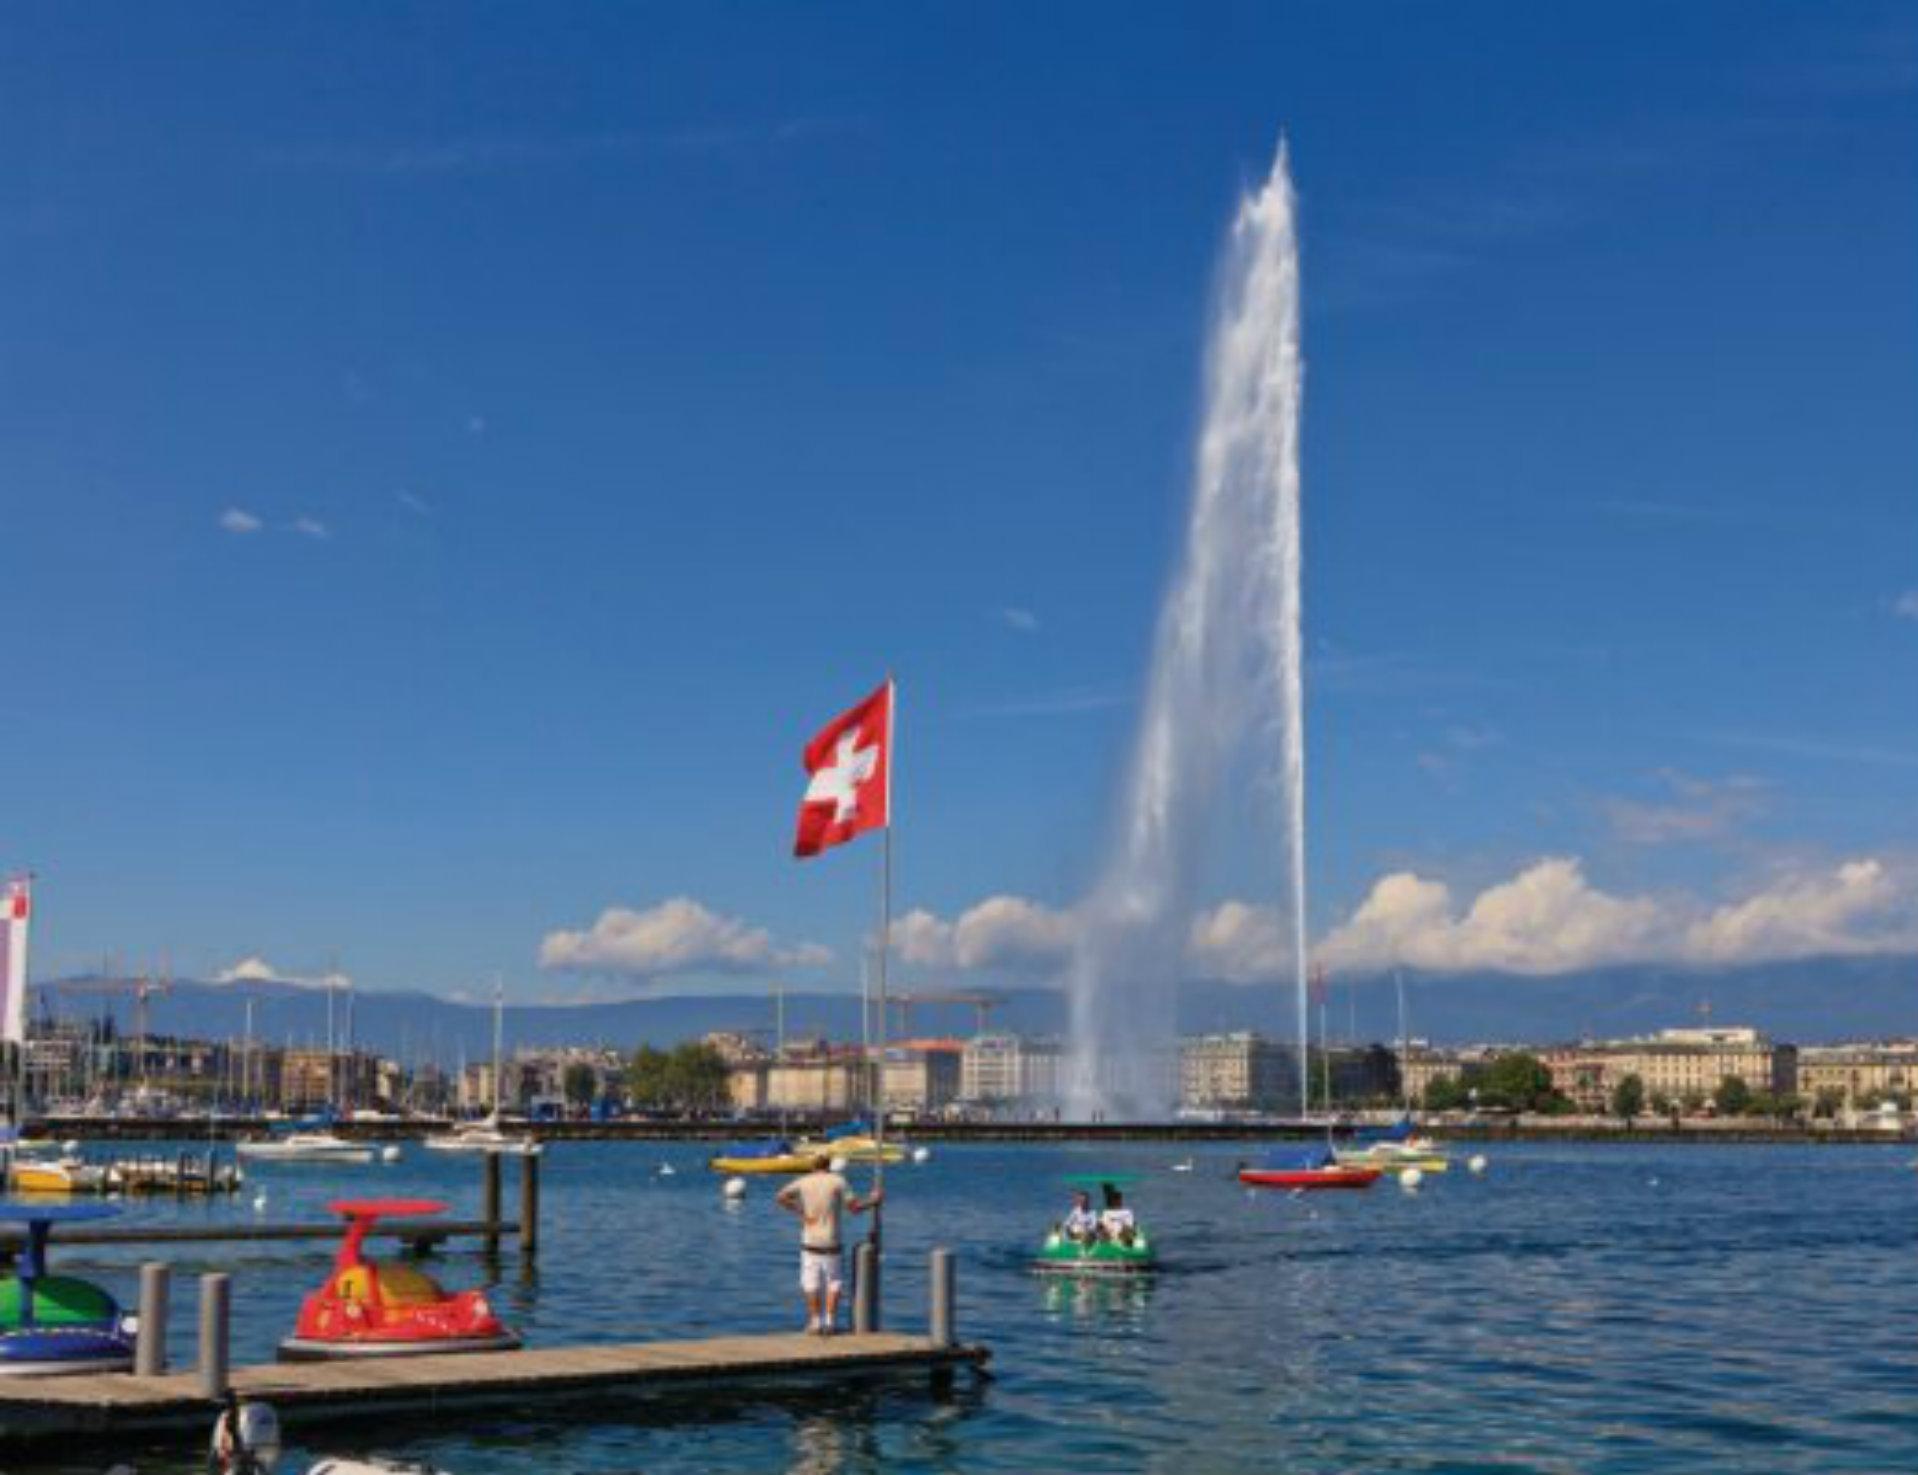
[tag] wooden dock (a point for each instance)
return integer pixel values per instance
(111, 1405)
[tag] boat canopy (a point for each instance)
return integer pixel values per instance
(848, 1129)
(1101, 1180)
(758, 1149)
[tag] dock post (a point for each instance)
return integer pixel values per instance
(215, 1302)
(529, 1205)
(942, 1282)
(865, 1289)
(489, 1200)
(149, 1351)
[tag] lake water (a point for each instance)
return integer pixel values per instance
(1577, 1309)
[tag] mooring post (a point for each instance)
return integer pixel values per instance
(489, 1200)
(865, 1289)
(149, 1350)
(942, 1284)
(215, 1303)
(529, 1204)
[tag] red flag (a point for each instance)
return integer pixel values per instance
(851, 766)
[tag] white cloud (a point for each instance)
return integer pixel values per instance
(414, 502)
(255, 969)
(1550, 919)
(309, 527)
(1004, 933)
(239, 522)
(1546, 919)
(1241, 943)
(678, 936)
(1861, 906)
(1022, 620)
(1905, 606)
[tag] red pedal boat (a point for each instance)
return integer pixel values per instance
(370, 1308)
(1315, 1170)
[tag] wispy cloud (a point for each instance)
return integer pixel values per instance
(1905, 606)
(1065, 702)
(1022, 620)
(239, 522)
(1838, 751)
(482, 154)
(413, 502)
(309, 527)
(1693, 809)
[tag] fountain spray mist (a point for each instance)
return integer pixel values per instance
(1226, 674)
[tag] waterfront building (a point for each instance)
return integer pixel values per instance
(1678, 1065)
(1007, 1069)
(1859, 1075)
(1419, 1064)
(1241, 1071)
(923, 1075)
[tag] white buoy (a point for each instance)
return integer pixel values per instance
(259, 1202)
(1410, 1179)
(838, 1165)
(389, 1154)
(71, 1147)
(1476, 1163)
(667, 1170)
(735, 1188)
(922, 1154)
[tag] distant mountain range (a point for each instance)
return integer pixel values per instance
(1809, 1002)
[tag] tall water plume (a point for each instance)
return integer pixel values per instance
(1226, 674)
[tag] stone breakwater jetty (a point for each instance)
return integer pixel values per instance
(1483, 1129)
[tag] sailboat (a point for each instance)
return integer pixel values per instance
(485, 1135)
(1400, 1146)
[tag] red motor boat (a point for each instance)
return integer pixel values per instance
(1316, 1170)
(369, 1308)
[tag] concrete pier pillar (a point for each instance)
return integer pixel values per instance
(215, 1327)
(865, 1288)
(149, 1350)
(942, 1286)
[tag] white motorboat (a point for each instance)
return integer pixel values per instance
(307, 1147)
(482, 1136)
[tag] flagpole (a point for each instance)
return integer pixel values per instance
(885, 949)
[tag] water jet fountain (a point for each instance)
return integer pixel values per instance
(1226, 674)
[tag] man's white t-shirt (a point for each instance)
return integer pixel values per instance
(822, 1198)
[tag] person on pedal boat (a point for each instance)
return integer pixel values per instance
(1080, 1223)
(1116, 1222)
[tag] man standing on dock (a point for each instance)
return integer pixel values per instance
(818, 1199)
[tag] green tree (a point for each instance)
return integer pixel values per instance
(579, 1084)
(1446, 1093)
(1733, 1097)
(1829, 1102)
(1662, 1105)
(1628, 1097)
(1519, 1081)
(689, 1077)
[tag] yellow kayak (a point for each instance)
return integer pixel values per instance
(787, 1163)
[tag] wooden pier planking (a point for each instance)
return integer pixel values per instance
(103, 1405)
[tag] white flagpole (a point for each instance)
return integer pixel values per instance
(885, 950)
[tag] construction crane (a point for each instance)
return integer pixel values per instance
(142, 988)
(905, 1003)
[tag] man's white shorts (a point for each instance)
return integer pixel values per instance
(818, 1271)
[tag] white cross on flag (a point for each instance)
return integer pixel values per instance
(850, 790)
(16, 908)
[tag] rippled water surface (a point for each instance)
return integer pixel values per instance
(1590, 1309)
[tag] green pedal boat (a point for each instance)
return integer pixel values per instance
(1108, 1241)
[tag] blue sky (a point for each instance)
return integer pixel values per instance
(451, 457)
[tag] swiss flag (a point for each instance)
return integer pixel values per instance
(850, 763)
